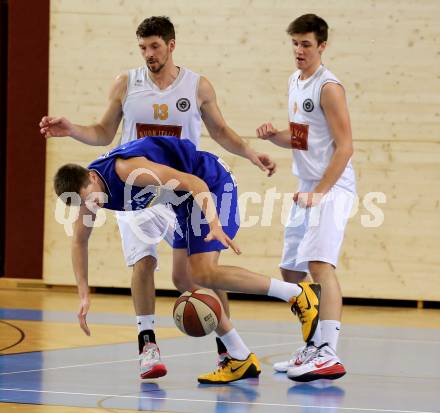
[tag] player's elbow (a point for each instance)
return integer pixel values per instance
(345, 150)
(105, 134)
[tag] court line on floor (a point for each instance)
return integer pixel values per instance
(210, 352)
(357, 409)
(134, 359)
(348, 337)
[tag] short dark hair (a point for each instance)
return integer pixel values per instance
(70, 178)
(157, 26)
(309, 23)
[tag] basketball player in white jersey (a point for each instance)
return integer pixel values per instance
(320, 139)
(159, 99)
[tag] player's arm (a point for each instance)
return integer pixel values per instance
(162, 175)
(280, 138)
(334, 105)
(98, 134)
(223, 134)
(82, 229)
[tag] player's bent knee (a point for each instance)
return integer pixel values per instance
(319, 269)
(204, 277)
(182, 284)
(145, 266)
(293, 276)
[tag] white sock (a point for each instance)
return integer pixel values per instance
(145, 322)
(283, 290)
(235, 345)
(317, 337)
(330, 332)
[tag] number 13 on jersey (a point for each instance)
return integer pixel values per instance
(160, 111)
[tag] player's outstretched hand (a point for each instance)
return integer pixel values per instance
(266, 131)
(268, 164)
(55, 127)
(217, 233)
(82, 315)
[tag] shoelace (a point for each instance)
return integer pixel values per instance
(152, 353)
(296, 309)
(302, 353)
(221, 357)
(319, 353)
(223, 364)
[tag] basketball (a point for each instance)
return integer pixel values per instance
(197, 313)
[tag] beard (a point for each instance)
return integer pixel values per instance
(156, 67)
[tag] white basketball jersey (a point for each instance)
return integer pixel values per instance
(312, 143)
(150, 111)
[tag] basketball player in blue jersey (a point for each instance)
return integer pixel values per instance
(156, 99)
(167, 170)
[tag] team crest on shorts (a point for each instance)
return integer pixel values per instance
(183, 104)
(308, 105)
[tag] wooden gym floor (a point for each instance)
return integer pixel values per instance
(48, 365)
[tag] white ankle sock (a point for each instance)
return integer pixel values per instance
(330, 332)
(317, 337)
(145, 322)
(283, 290)
(235, 345)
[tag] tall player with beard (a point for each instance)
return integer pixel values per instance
(159, 99)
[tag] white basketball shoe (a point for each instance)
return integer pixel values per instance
(323, 364)
(151, 366)
(298, 358)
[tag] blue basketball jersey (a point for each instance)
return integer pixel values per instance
(170, 151)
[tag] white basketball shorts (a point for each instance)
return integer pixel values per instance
(141, 231)
(316, 234)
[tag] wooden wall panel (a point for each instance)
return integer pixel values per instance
(385, 59)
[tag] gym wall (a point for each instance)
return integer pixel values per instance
(385, 53)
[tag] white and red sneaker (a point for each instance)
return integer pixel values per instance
(151, 366)
(298, 357)
(323, 364)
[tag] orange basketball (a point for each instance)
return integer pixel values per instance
(197, 313)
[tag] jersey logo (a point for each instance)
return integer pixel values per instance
(183, 104)
(147, 129)
(299, 136)
(308, 105)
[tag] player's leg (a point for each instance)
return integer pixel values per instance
(183, 281)
(295, 277)
(236, 361)
(293, 272)
(223, 296)
(140, 233)
(331, 301)
(206, 272)
(320, 248)
(144, 298)
(302, 353)
(330, 324)
(304, 297)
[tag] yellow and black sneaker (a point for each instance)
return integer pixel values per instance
(230, 369)
(306, 307)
